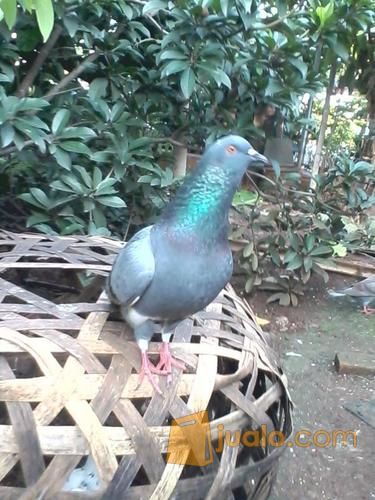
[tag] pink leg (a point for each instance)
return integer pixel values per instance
(148, 370)
(167, 360)
(368, 310)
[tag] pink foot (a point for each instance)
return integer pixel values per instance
(148, 370)
(167, 360)
(368, 310)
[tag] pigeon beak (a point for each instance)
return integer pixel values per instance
(257, 157)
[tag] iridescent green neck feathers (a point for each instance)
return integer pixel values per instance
(203, 201)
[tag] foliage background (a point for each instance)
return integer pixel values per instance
(100, 100)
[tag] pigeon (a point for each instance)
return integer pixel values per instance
(176, 267)
(362, 290)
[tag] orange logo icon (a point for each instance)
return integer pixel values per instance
(190, 440)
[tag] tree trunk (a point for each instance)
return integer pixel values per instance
(323, 125)
(179, 169)
(368, 143)
(304, 134)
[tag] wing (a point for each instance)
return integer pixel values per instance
(364, 288)
(367, 286)
(133, 270)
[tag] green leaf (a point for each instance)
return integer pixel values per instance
(153, 6)
(7, 134)
(29, 198)
(101, 156)
(295, 263)
(294, 299)
(139, 143)
(341, 51)
(32, 103)
(167, 178)
(248, 250)
(63, 158)
(244, 197)
(37, 219)
(310, 240)
(307, 263)
(362, 166)
(275, 297)
(98, 88)
(321, 250)
(40, 197)
(145, 179)
(61, 186)
(71, 23)
(78, 133)
(60, 120)
(28, 5)
(174, 67)
(325, 13)
(172, 54)
(300, 65)
(318, 270)
(111, 201)
(97, 176)
(73, 182)
(105, 187)
(339, 250)
(9, 7)
(220, 77)
(99, 217)
(75, 147)
(284, 299)
(31, 121)
(45, 17)
(290, 254)
(84, 175)
(187, 82)
(254, 262)
(249, 284)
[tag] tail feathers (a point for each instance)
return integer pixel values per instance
(112, 297)
(333, 293)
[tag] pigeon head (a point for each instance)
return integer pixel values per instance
(234, 154)
(205, 197)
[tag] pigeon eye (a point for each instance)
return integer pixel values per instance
(231, 150)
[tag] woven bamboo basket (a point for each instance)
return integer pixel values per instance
(69, 386)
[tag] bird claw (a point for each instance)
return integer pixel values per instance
(368, 310)
(164, 367)
(148, 370)
(167, 361)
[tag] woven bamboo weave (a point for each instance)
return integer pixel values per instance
(69, 384)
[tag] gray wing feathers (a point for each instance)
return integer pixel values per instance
(133, 270)
(365, 288)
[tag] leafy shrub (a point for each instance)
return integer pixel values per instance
(109, 86)
(293, 235)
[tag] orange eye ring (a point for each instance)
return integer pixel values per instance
(231, 150)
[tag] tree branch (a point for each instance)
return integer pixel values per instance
(38, 62)
(71, 76)
(78, 69)
(172, 141)
(11, 149)
(157, 140)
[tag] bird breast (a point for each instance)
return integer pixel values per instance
(185, 282)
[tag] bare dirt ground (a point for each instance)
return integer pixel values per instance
(308, 337)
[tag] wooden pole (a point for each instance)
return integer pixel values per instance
(323, 125)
